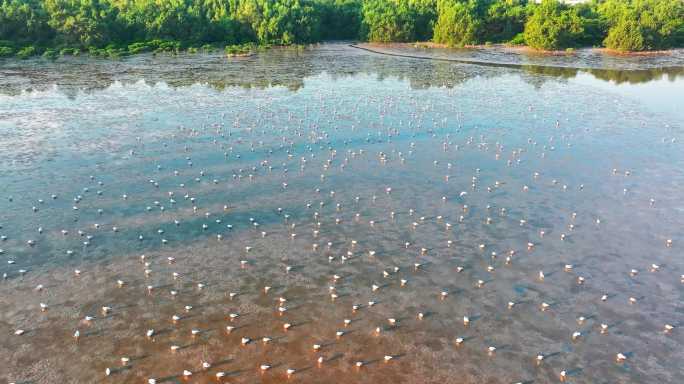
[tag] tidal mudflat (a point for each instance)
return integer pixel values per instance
(334, 215)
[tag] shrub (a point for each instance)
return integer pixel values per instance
(50, 54)
(69, 51)
(518, 39)
(26, 52)
(6, 51)
(239, 50)
(139, 47)
(457, 23)
(627, 35)
(553, 26)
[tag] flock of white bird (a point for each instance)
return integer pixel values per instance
(292, 254)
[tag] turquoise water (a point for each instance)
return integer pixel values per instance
(282, 151)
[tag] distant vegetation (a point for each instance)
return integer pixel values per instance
(55, 28)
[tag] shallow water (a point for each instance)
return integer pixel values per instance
(288, 149)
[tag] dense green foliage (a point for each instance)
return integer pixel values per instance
(643, 24)
(55, 28)
(397, 20)
(552, 26)
(457, 23)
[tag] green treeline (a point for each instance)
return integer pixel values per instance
(119, 27)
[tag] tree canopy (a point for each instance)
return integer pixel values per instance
(457, 23)
(553, 26)
(130, 26)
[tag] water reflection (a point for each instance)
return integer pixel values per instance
(290, 67)
(635, 76)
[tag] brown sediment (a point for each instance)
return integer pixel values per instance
(517, 48)
(616, 52)
(425, 347)
(464, 61)
(533, 51)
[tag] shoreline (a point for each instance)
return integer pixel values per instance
(55, 53)
(529, 50)
(392, 49)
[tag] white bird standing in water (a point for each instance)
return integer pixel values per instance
(317, 125)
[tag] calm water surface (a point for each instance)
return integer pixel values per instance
(420, 191)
